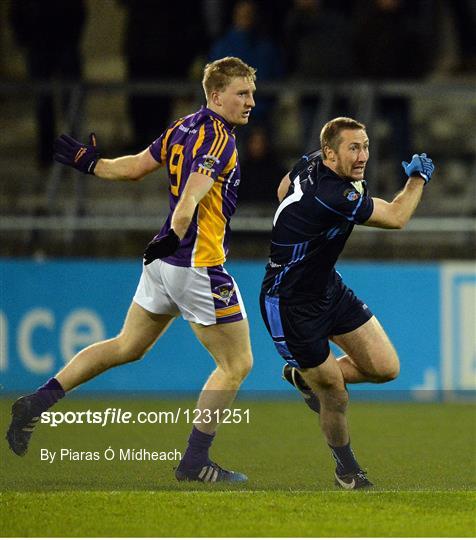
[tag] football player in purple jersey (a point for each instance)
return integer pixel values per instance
(183, 271)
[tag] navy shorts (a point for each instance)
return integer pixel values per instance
(301, 332)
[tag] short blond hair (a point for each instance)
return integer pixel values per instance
(217, 75)
(330, 133)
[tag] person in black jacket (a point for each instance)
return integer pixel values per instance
(50, 33)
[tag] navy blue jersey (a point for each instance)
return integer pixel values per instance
(310, 229)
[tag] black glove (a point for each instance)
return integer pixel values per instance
(161, 247)
(76, 154)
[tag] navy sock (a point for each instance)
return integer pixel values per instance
(345, 459)
(196, 453)
(49, 394)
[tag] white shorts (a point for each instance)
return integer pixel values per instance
(201, 295)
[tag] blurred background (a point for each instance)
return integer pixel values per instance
(126, 68)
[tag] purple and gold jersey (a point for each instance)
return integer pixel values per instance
(202, 142)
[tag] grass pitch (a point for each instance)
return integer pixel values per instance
(420, 457)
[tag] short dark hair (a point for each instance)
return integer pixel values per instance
(330, 133)
(218, 74)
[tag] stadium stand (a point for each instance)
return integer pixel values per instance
(47, 212)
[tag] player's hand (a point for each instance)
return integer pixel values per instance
(161, 247)
(76, 154)
(419, 165)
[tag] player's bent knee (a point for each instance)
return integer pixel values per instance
(390, 369)
(128, 352)
(243, 366)
(238, 368)
(390, 374)
(247, 364)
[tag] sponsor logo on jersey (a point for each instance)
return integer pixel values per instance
(209, 162)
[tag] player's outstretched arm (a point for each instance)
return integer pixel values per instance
(198, 185)
(86, 159)
(397, 213)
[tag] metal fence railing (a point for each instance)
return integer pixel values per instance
(362, 95)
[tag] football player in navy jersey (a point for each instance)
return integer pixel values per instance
(304, 301)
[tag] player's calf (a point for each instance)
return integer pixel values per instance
(327, 380)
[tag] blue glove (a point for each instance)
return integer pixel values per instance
(420, 164)
(78, 155)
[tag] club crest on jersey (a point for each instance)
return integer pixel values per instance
(351, 195)
(224, 293)
(209, 162)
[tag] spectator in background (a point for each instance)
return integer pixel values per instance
(159, 44)
(50, 33)
(260, 169)
(392, 42)
(245, 40)
(219, 17)
(319, 49)
(318, 43)
(464, 15)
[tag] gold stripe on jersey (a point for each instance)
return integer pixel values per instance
(226, 312)
(206, 172)
(223, 145)
(201, 170)
(218, 146)
(208, 249)
(231, 163)
(163, 148)
(211, 223)
(218, 137)
(199, 141)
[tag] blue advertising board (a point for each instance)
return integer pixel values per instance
(51, 310)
